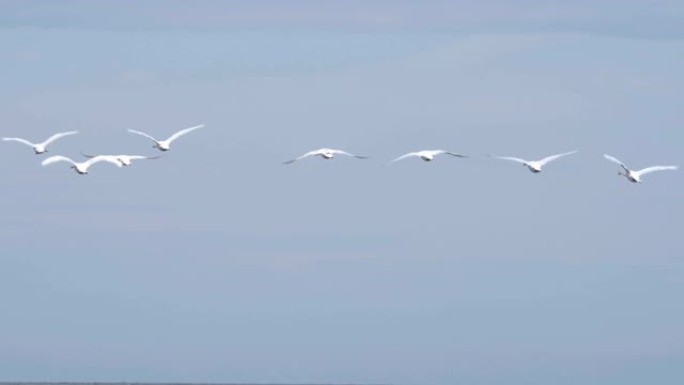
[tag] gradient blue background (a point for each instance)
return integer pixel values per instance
(217, 263)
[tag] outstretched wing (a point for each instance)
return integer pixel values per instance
(20, 140)
(143, 134)
(649, 170)
(616, 160)
(57, 136)
(348, 154)
(519, 160)
(405, 156)
(454, 154)
(310, 153)
(183, 132)
(136, 157)
(55, 159)
(554, 157)
(103, 158)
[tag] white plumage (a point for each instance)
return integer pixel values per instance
(125, 160)
(325, 153)
(427, 155)
(81, 167)
(634, 176)
(535, 165)
(40, 148)
(165, 145)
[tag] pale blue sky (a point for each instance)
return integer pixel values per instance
(219, 264)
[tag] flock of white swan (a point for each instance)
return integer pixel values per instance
(117, 160)
(82, 168)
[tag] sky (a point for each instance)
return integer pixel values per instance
(217, 263)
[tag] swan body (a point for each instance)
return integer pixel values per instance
(41, 148)
(82, 167)
(535, 166)
(165, 145)
(325, 153)
(427, 155)
(125, 160)
(634, 176)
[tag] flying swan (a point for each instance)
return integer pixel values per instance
(40, 148)
(427, 155)
(164, 145)
(325, 153)
(535, 165)
(634, 176)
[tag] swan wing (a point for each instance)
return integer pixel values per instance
(554, 157)
(136, 157)
(649, 170)
(57, 136)
(410, 154)
(20, 140)
(310, 153)
(183, 132)
(348, 154)
(513, 159)
(55, 159)
(142, 134)
(616, 160)
(131, 157)
(103, 158)
(454, 154)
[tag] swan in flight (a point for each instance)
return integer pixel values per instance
(40, 148)
(125, 160)
(82, 167)
(535, 165)
(634, 176)
(164, 145)
(427, 155)
(325, 153)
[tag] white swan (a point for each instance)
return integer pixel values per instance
(634, 176)
(40, 148)
(325, 153)
(427, 155)
(535, 165)
(82, 167)
(164, 145)
(125, 160)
